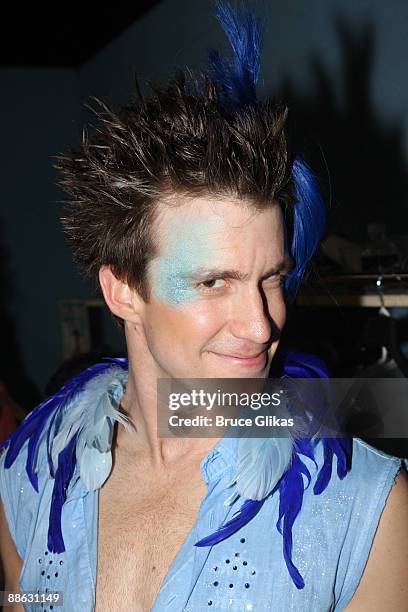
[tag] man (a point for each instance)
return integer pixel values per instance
(197, 219)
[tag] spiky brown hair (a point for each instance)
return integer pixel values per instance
(177, 140)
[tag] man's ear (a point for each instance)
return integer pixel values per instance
(123, 301)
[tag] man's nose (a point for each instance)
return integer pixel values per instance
(250, 318)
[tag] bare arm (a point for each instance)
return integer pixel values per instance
(384, 584)
(10, 560)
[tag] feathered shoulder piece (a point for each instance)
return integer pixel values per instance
(268, 466)
(73, 427)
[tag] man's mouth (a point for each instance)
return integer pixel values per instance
(246, 360)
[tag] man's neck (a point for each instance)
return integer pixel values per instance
(139, 403)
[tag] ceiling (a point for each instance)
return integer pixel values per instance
(62, 35)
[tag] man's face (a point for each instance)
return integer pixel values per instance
(217, 306)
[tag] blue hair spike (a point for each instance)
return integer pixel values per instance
(237, 77)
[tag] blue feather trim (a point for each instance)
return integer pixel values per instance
(247, 512)
(63, 475)
(291, 486)
(47, 419)
(42, 424)
(291, 490)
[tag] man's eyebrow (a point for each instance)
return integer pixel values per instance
(203, 274)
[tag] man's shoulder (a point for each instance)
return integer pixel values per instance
(358, 496)
(380, 541)
(364, 459)
(364, 447)
(367, 459)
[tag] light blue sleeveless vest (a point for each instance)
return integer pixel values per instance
(332, 537)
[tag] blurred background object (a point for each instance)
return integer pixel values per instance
(10, 412)
(379, 254)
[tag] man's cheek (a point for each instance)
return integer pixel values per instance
(277, 311)
(282, 316)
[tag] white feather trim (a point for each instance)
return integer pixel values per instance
(92, 415)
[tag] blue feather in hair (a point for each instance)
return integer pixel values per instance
(237, 77)
(309, 220)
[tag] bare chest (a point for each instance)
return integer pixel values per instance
(138, 538)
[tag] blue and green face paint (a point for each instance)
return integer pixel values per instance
(185, 250)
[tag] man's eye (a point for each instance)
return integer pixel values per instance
(213, 283)
(275, 279)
